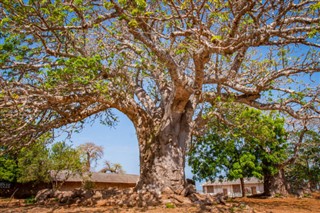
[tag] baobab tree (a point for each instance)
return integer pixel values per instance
(112, 168)
(91, 153)
(168, 65)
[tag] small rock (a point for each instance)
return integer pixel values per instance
(64, 200)
(41, 202)
(142, 204)
(97, 195)
(190, 189)
(167, 190)
(181, 199)
(77, 192)
(59, 196)
(87, 194)
(78, 201)
(101, 203)
(220, 198)
(44, 194)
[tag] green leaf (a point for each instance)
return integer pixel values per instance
(142, 4)
(133, 23)
(108, 5)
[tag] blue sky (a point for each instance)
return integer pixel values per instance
(120, 142)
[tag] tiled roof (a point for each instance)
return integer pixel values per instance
(96, 177)
(234, 182)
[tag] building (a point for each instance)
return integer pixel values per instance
(100, 181)
(233, 188)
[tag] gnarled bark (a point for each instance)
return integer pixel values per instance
(275, 184)
(162, 153)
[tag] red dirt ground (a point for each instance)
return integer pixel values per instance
(271, 205)
(284, 205)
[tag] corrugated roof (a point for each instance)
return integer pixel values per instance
(96, 177)
(234, 182)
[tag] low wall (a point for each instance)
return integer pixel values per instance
(25, 190)
(68, 186)
(21, 190)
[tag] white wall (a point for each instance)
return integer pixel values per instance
(230, 193)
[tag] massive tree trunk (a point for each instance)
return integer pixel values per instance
(275, 184)
(162, 153)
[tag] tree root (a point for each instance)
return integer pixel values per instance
(129, 198)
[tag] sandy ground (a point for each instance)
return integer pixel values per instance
(284, 205)
(271, 205)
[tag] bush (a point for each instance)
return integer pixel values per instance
(30, 200)
(307, 195)
(278, 195)
(170, 205)
(88, 185)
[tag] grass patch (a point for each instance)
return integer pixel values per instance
(170, 206)
(30, 200)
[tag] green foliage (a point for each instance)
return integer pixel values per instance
(122, 2)
(108, 5)
(277, 195)
(30, 200)
(305, 171)
(8, 167)
(65, 157)
(88, 185)
(141, 4)
(9, 50)
(315, 6)
(170, 206)
(76, 71)
(35, 162)
(133, 23)
(252, 148)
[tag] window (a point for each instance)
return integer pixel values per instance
(236, 188)
(253, 190)
(225, 191)
(210, 189)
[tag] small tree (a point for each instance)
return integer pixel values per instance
(8, 166)
(91, 153)
(65, 162)
(253, 147)
(33, 163)
(112, 168)
(41, 163)
(304, 173)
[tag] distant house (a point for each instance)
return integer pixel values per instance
(100, 180)
(233, 188)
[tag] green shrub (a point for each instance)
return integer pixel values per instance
(88, 184)
(307, 195)
(170, 205)
(30, 200)
(277, 195)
